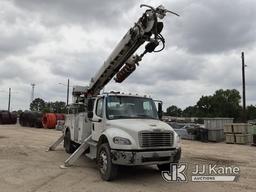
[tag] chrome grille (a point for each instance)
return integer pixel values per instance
(156, 139)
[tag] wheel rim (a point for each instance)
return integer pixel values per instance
(103, 162)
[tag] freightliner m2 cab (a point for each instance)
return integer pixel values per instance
(124, 130)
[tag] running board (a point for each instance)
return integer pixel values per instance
(54, 145)
(93, 150)
(80, 150)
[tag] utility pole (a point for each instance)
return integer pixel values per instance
(68, 92)
(33, 92)
(9, 101)
(243, 84)
(68, 85)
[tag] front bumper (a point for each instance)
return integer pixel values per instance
(122, 157)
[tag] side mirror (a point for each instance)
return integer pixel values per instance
(90, 114)
(160, 111)
(90, 105)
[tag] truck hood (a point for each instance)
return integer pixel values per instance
(136, 125)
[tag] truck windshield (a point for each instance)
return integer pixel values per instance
(125, 107)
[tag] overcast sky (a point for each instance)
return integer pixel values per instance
(46, 42)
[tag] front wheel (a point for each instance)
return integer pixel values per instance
(107, 169)
(164, 167)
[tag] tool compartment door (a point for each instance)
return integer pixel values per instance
(84, 127)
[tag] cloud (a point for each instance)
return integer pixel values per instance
(214, 26)
(17, 31)
(81, 12)
(170, 64)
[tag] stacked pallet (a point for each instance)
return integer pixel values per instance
(253, 132)
(215, 127)
(238, 133)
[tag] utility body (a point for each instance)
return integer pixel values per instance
(116, 128)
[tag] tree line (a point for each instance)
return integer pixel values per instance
(40, 105)
(223, 103)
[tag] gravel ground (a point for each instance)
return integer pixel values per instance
(25, 166)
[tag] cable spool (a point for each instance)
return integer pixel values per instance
(37, 121)
(25, 118)
(49, 120)
(13, 118)
(31, 119)
(4, 117)
(8, 118)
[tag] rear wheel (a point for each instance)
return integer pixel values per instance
(68, 144)
(107, 169)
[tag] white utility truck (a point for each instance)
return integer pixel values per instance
(116, 128)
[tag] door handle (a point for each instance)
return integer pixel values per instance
(97, 121)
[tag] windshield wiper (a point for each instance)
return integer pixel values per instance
(120, 117)
(146, 116)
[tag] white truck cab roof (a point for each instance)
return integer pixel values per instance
(123, 94)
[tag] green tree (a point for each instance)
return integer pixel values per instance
(251, 112)
(205, 106)
(59, 106)
(226, 103)
(55, 107)
(174, 111)
(190, 111)
(19, 112)
(37, 104)
(223, 103)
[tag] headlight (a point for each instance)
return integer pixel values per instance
(121, 141)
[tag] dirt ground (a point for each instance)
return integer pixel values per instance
(25, 166)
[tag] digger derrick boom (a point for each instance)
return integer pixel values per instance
(122, 61)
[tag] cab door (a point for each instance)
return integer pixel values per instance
(97, 120)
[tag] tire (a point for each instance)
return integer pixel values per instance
(107, 169)
(164, 167)
(68, 144)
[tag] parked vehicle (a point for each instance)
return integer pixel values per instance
(121, 129)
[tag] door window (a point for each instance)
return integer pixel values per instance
(99, 108)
